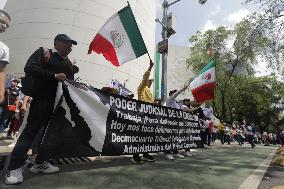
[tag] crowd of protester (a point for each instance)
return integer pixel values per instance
(240, 133)
(23, 117)
(25, 128)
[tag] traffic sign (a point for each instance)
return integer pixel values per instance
(163, 46)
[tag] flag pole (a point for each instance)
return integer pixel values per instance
(149, 56)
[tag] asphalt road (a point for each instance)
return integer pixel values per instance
(219, 167)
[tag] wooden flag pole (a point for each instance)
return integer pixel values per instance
(149, 56)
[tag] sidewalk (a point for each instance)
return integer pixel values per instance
(274, 177)
(220, 167)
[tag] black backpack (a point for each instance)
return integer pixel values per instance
(27, 85)
(28, 81)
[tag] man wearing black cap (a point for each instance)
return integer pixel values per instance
(47, 67)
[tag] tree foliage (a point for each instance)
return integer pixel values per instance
(258, 99)
(239, 94)
(269, 21)
(235, 51)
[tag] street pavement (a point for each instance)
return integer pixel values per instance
(273, 178)
(219, 167)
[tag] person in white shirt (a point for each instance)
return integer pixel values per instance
(4, 58)
(172, 103)
(240, 136)
(250, 133)
(4, 52)
(228, 134)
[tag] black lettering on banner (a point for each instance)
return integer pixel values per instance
(138, 127)
(89, 122)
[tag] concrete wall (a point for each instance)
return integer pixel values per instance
(2, 3)
(178, 72)
(35, 23)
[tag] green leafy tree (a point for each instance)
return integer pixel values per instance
(235, 51)
(258, 99)
(268, 21)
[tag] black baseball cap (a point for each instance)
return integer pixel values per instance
(65, 38)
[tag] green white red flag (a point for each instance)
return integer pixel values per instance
(119, 40)
(203, 85)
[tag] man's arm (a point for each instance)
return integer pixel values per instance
(34, 63)
(146, 76)
(178, 92)
(189, 110)
(25, 102)
(17, 103)
(2, 80)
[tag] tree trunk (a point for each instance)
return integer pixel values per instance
(223, 111)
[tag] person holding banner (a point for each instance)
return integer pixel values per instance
(187, 108)
(172, 103)
(144, 94)
(46, 75)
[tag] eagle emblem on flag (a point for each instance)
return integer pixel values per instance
(117, 39)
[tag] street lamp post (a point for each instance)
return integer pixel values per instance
(164, 55)
(165, 28)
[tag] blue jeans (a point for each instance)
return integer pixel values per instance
(228, 139)
(222, 137)
(240, 139)
(250, 139)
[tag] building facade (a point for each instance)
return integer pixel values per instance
(178, 73)
(35, 23)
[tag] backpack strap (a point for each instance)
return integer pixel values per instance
(46, 55)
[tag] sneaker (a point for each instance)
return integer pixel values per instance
(148, 157)
(14, 176)
(44, 167)
(169, 157)
(2, 136)
(9, 137)
(12, 145)
(136, 160)
(178, 156)
(188, 154)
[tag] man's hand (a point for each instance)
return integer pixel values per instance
(24, 108)
(185, 108)
(75, 69)
(60, 76)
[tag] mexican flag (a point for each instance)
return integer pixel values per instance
(119, 40)
(203, 85)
